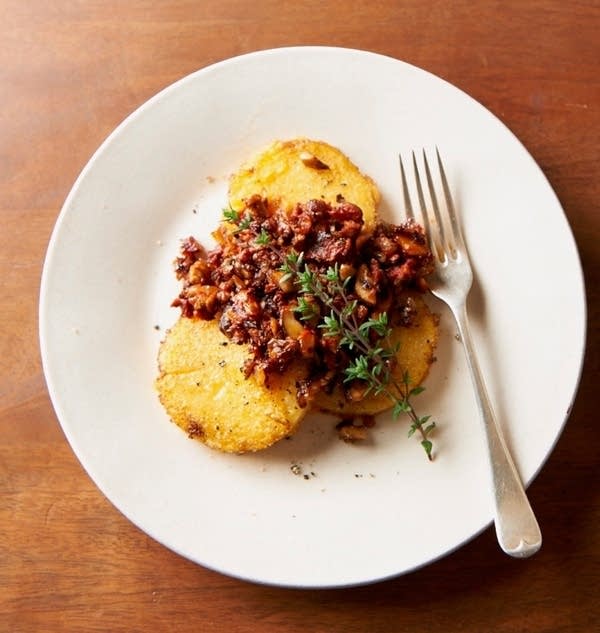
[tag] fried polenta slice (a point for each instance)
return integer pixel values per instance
(415, 356)
(295, 171)
(205, 393)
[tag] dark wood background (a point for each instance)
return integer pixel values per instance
(70, 71)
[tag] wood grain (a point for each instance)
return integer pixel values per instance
(69, 73)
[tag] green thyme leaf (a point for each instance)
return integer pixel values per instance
(331, 325)
(333, 273)
(427, 446)
(230, 215)
(400, 407)
(349, 309)
(263, 238)
(307, 309)
(427, 430)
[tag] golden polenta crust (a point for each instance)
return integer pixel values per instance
(205, 393)
(415, 356)
(298, 170)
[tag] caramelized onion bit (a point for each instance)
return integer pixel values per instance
(307, 342)
(284, 282)
(310, 160)
(293, 328)
(356, 391)
(346, 270)
(364, 285)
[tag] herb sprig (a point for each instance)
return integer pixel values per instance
(368, 341)
(233, 216)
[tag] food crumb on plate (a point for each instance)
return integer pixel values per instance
(296, 468)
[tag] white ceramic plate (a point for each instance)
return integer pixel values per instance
(363, 513)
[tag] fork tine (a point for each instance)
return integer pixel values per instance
(424, 214)
(410, 214)
(454, 223)
(441, 233)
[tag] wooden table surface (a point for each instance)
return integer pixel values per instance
(69, 73)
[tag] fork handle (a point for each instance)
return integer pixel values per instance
(517, 529)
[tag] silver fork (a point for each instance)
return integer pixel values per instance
(517, 529)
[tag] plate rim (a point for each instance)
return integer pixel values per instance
(106, 143)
